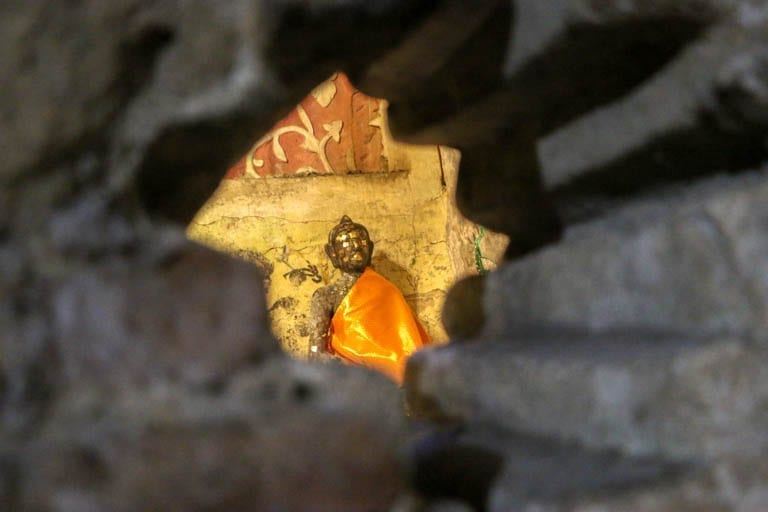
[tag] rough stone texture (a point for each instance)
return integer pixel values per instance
(492, 469)
(643, 331)
(136, 320)
(537, 471)
(329, 387)
(643, 393)
(114, 116)
(564, 58)
(244, 448)
(707, 112)
(463, 311)
(98, 54)
(738, 484)
(126, 324)
(687, 262)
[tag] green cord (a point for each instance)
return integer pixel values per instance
(479, 254)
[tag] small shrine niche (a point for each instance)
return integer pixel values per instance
(333, 155)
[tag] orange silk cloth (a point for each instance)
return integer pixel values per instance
(374, 326)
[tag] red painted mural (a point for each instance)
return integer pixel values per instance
(336, 129)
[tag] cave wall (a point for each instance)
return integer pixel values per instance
(616, 360)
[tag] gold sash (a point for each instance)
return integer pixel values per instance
(374, 326)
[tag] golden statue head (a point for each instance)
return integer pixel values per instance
(349, 247)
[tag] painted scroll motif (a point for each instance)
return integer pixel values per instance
(334, 130)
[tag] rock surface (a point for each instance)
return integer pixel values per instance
(261, 450)
(686, 261)
(642, 393)
(137, 371)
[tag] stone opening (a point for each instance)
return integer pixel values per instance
(333, 155)
(175, 176)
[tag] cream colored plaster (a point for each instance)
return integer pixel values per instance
(461, 233)
(282, 224)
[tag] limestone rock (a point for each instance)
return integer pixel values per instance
(705, 113)
(327, 386)
(187, 314)
(488, 468)
(27, 361)
(641, 392)
(542, 472)
(683, 262)
(137, 373)
(166, 311)
(173, 448)
(728, 486)
(66, 72)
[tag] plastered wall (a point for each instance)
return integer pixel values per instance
(281, 222)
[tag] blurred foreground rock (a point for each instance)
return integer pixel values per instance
(644, 333)
(688, 261)
(636, 391)
(168, 447)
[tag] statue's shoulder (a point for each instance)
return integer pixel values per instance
(330, 292)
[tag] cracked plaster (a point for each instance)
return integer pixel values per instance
(409, 212)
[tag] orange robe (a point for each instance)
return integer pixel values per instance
(374, 326)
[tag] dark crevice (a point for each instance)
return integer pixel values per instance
(447, 469)
(669, 161)
(464, 464)
(185, 163)
(587, 67)
(10, 481)
(501, 189)
(216, 386)
(302, 392)
(343, 36)
(447, 92)
(138, 55)
(591, 66)
(499, 185)
(91, 468)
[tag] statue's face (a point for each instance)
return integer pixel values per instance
(352, 250)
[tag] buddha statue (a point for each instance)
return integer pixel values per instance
(362, 318)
